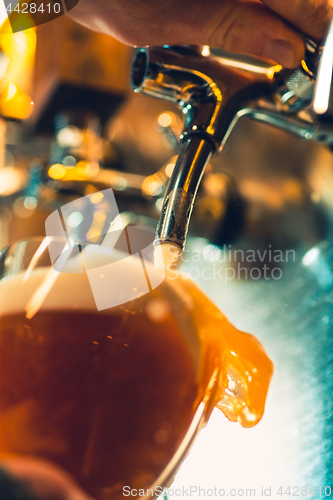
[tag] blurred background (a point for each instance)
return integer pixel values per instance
(70, 126)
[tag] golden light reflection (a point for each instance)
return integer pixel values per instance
(96, 198)
(11, 180)
(165, 119)
(70, 136)
(34, 261)
(273, 70)
(169, 169)
(38, 298)
(324, 77)
(17, 82)
(57, 171)
(97, 226)
(153, 184)
(11, 91)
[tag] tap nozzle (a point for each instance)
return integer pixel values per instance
(195, 83)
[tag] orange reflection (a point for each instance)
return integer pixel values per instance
(16, 84)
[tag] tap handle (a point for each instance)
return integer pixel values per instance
(322, 92)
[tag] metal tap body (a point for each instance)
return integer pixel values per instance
(213, 93)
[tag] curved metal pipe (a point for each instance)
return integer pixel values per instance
(213, 94)
(182, 189)
(195, 83)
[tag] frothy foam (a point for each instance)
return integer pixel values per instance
(73, 291)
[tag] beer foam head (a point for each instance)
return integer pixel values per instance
(94, 280)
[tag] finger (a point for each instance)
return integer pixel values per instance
(39, 479)
(309, 16)
(252, 28)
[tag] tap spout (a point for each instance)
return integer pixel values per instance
(180, 194)
(197, 84)
(213, 93)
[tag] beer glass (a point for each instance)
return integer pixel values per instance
(110, 382)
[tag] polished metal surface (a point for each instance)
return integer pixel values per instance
(214, 93)
(181, 192)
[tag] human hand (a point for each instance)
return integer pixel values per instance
(259, 28)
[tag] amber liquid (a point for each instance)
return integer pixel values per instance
(108, 398)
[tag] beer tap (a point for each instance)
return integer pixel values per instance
(214, 93)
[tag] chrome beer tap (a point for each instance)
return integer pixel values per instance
(213, 93)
